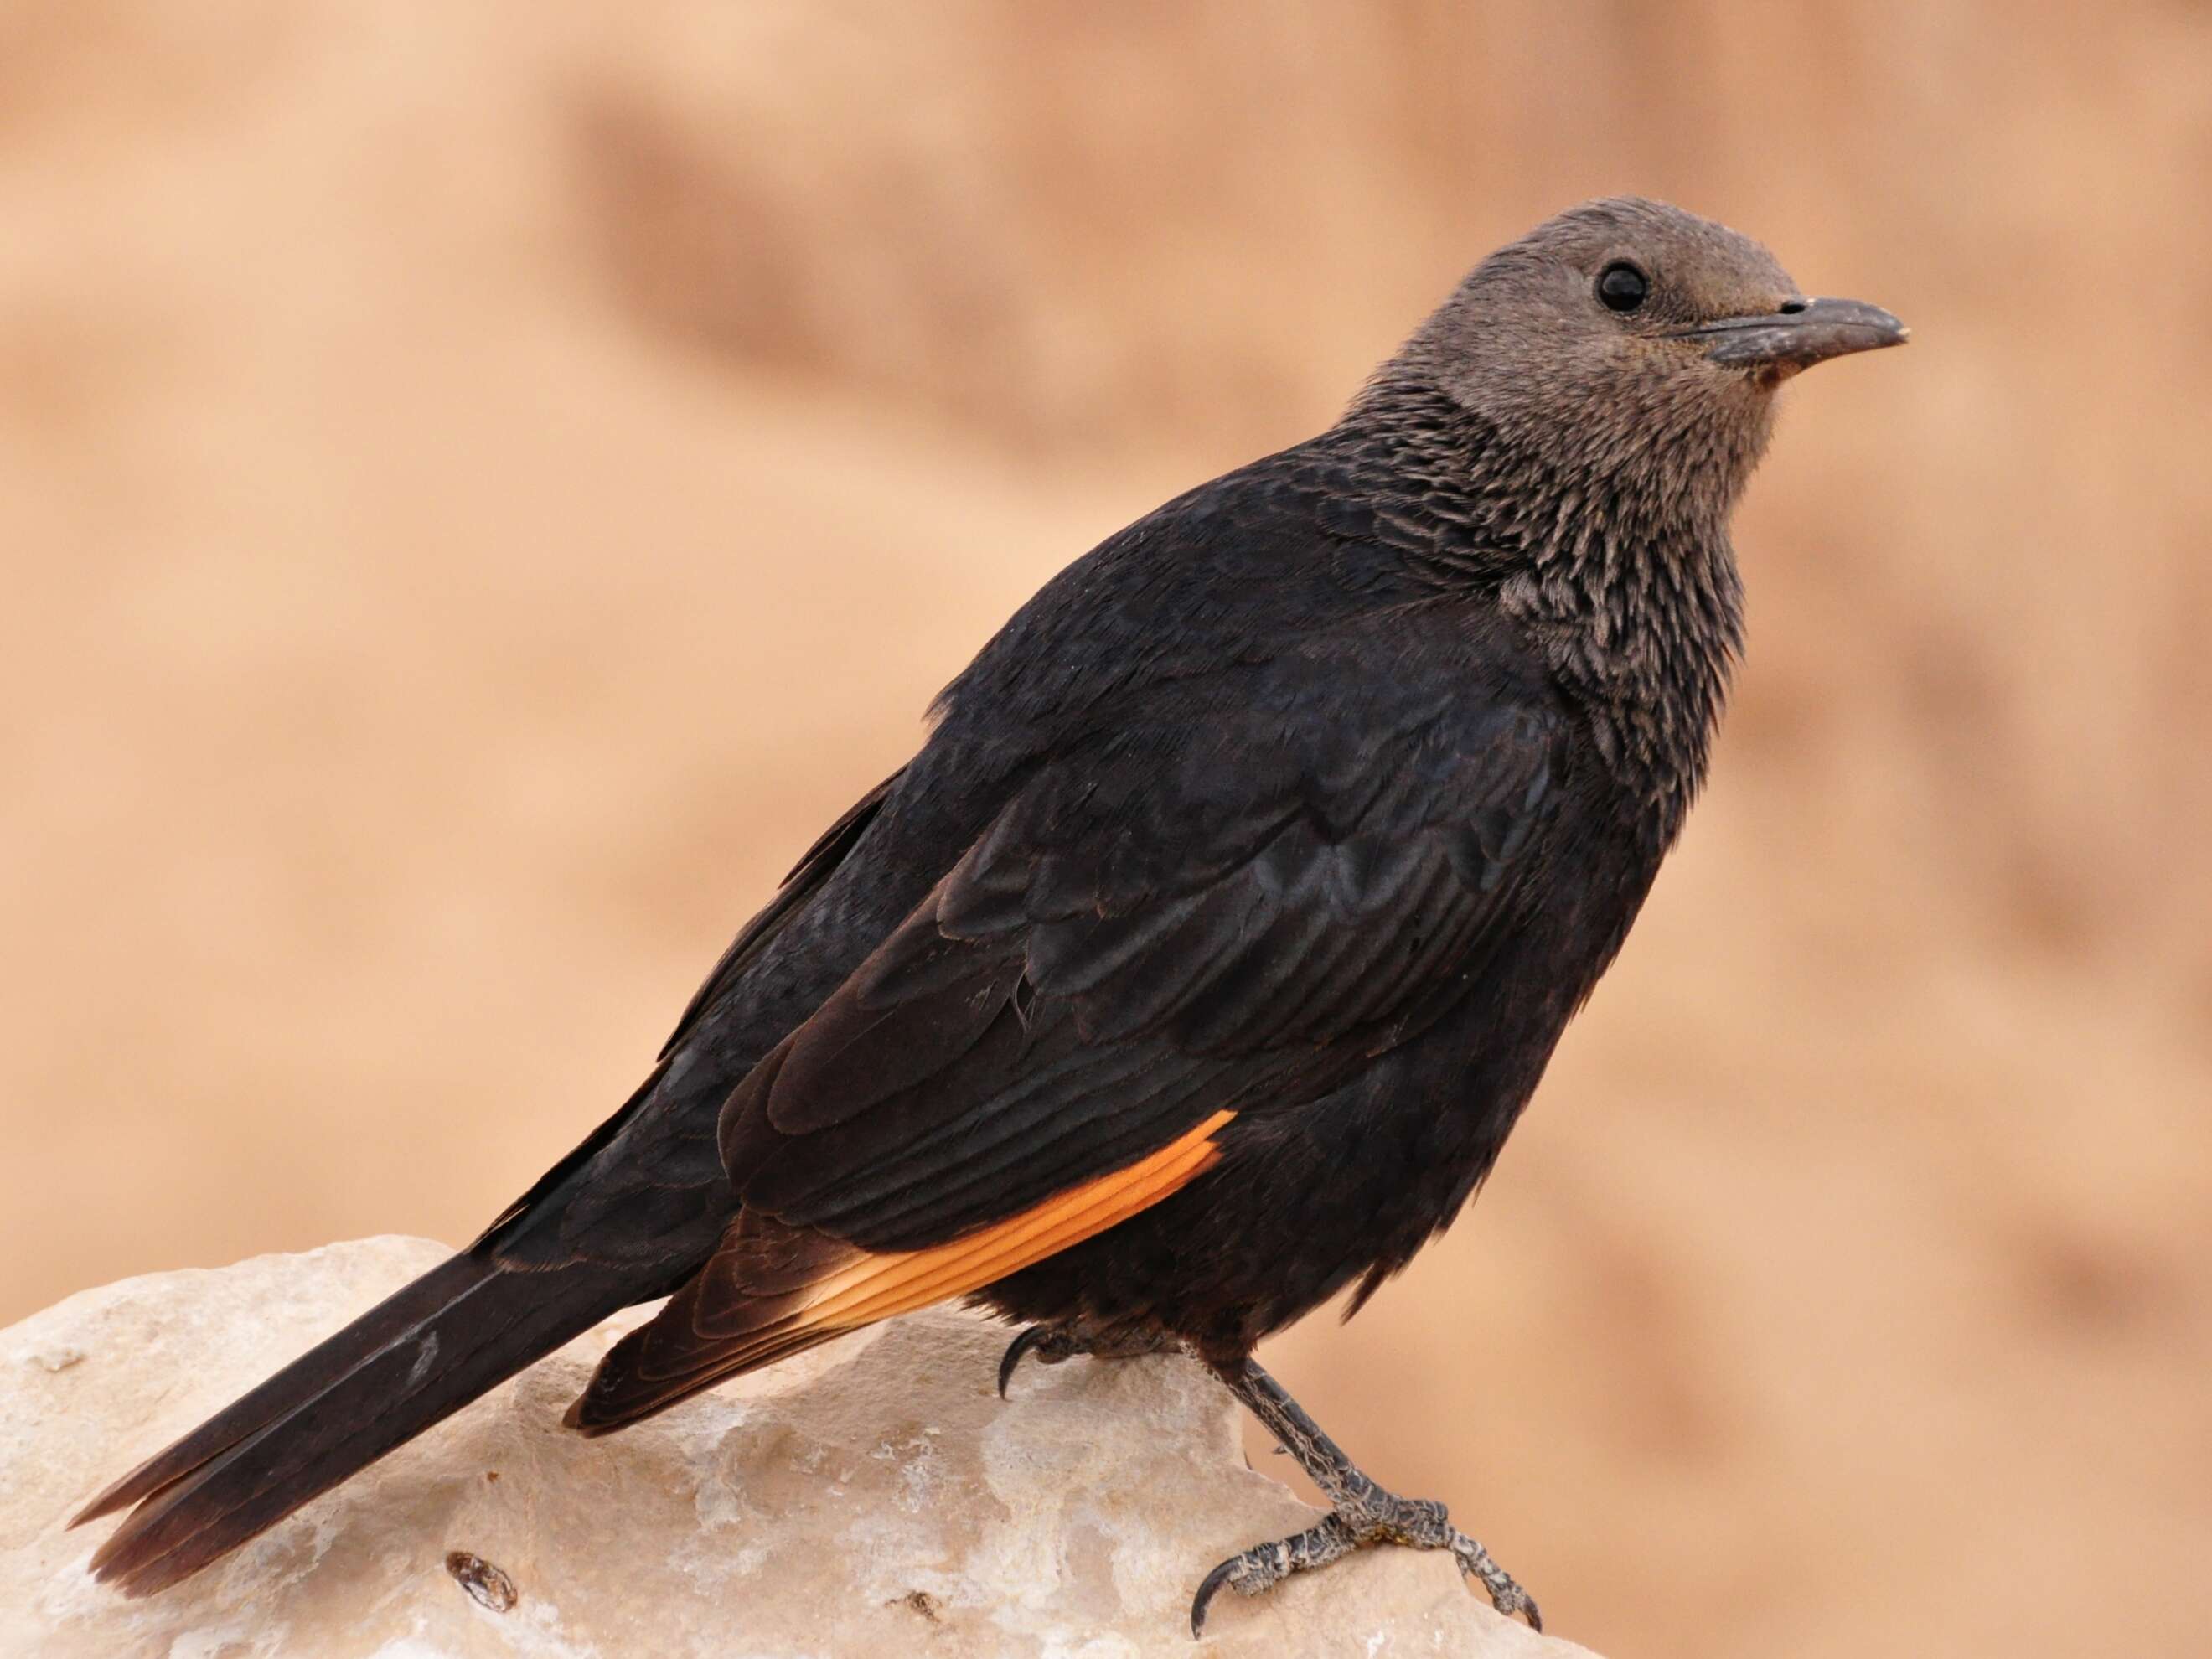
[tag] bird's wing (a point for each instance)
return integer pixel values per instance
(1162, 929)
(814, 867)
(806, 876)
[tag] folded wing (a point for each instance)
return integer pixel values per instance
(1162, 930)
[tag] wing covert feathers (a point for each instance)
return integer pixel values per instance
(744, 1310)
(878, 1286)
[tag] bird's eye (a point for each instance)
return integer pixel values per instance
(1622, 287)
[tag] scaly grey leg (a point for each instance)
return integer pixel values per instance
(1362, 1513)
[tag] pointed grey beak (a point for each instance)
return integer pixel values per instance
(1801, 333)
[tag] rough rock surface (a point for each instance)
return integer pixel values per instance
(873, 1497)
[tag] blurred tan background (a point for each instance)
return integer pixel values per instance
(481, 486)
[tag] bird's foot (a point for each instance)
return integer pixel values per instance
(1362, 1513)
(1051, 1344)
(1376, 1517)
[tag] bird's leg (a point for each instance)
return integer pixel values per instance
(1051, 1344)
(1361, 1513)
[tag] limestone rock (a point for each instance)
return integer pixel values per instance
(873, 1497)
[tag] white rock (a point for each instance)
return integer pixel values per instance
(873, 1497)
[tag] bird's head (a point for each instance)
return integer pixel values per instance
(1626, 343)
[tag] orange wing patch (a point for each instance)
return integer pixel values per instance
(877, 1286)
(821, 1288)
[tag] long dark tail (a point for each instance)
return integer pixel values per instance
(414, 1358)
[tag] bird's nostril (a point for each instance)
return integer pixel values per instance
(1792, 307)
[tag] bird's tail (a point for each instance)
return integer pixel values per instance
(417, 1357)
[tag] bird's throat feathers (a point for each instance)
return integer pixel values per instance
(1619, 567)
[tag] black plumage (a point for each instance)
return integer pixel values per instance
(1199, 963)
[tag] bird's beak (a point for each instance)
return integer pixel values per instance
(1801, 333)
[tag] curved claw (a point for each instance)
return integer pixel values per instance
(1207, 1592)
(1265, 1566)
(1021, 1344)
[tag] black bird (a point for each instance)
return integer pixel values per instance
(1201, 961)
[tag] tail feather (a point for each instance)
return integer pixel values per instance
(303, 1379)
(412, 1361)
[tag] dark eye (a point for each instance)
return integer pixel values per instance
(1622, 287)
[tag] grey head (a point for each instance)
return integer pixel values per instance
(1631, 350)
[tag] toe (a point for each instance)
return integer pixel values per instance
(1504, 1591)
(1012, 1357)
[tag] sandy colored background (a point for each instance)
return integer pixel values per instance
(481, 486)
